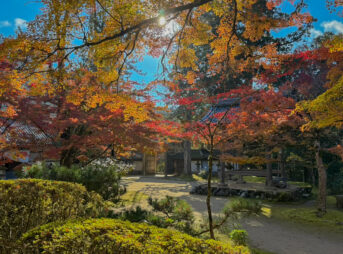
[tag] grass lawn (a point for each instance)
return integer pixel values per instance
(258, 251)
(259, 179)
(331, 221)
(132, 198)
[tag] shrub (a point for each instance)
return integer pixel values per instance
(104, 178)
(134, 215)
(116, 236)
(41, 170)
(27, 203)
(242, 206)
(166, 212)
(177, 213)
(239, 237)
(101, 176)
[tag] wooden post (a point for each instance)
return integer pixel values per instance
(144, 164)
(222, 174)
(187, 161)
(155, 164)
(269, 175)
(282, 167)
(166, 164)
(2, 173)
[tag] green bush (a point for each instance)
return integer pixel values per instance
(167, 212)
(242, 206)
(134, 215)
(239, 237)
(176, 213)
(116, 236)
(102, 176)
(27, 203)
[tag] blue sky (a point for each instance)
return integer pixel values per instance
(14, 13)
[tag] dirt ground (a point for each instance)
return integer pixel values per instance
(264, 233)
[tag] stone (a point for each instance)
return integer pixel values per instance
(306, 195)
(244, 194)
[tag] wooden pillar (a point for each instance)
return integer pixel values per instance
(269, 175)
(166, 164)
(144, 164)
(187, 161)
(222, 174)
(281, 164)
(2, 173)
(155, 164)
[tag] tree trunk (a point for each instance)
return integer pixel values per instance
(187, 162)
(269, 176)
(209, 189)
(67, 158)
(321, 180)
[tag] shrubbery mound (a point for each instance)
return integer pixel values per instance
(116, 236)
(27, 203)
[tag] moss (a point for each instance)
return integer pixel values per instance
(332, 220)
(254, 179)
(258, 179)
(300, 184)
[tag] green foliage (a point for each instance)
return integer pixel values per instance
(41, 170)
(177, 213)
(242, 206)
(239, 237)
(116, 236)
(102, 177)
(27, 203)
(134, 215)
(166, 212)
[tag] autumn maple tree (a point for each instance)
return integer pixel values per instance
(71, 67)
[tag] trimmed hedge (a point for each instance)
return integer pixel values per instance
(27, 203)
(116, 236)
(102, 176)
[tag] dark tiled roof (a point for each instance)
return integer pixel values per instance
(196, 154)
(24, 133)
(220, 107)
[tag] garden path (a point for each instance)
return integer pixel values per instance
(264, 233)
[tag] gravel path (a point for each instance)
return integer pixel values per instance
(264, 233)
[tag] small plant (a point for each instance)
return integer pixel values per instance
(177, 213)
(239, 237)
(242, 206)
